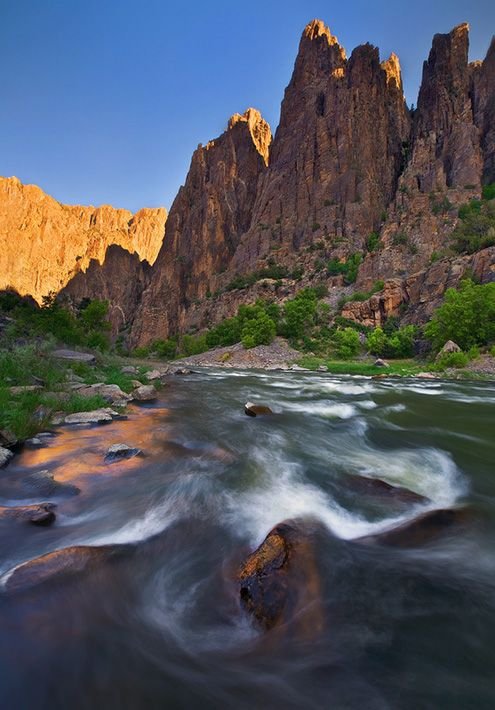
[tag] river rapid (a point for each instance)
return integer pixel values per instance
(404, 628)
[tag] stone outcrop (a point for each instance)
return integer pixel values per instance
(44, 243)
(120, 279)
(209, 215)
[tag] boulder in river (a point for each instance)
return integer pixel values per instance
(420, 530)
(183, 371)
(5, 456)
(378, 487)
(42, 514)
(97, 416)
(7, 438)
(253, 410)
(144, 393)
(43, 483)
(61, 563)
(280, 580)
(116, 452)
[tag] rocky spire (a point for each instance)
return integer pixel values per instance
(483, 94)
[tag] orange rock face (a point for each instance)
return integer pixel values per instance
(44, 243)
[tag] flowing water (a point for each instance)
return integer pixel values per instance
(162, 627)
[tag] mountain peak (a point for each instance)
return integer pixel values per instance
(259, 129)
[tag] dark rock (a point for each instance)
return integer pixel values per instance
(116, 452)
(184, 371)
(420, 530)
(280, 579)
(60, 564)
(377, 487)
(253, 410)
(42, 514)
(7, 439)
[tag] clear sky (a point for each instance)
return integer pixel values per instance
(103, 101)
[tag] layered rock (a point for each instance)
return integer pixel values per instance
(210, 213)
(44, 243)
(483, 97)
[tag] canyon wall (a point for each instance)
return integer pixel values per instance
(45, 243)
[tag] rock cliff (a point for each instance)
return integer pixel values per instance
(45, 243)
(351, 171)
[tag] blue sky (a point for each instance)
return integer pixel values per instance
(103, 101)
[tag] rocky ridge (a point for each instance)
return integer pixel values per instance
(45, 243)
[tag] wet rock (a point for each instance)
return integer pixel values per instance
(421, 530)
(145, 393)
(116, 452)
(378, 487)
(280, 579)
(381, 363)
(59, 564)
(43, 483)
(97, 416)
(42, 514)
(34, 442)
(74, 356)
(5, 456)
(110, 393)
(153, 375)
(7, 438)
(253, 410)
(183, 371)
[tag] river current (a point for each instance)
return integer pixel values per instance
(404, 628)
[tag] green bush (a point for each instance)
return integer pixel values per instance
(349, 268)
(476, 228)
(258, 331)
(456, 360)
(347, 343)
(300, 313)
(373, 242)
(165, 348)
(376, 341)
(466, 316)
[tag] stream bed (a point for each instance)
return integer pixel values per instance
(403, 628)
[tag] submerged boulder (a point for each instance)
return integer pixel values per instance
(61, 563)
(253, 410)
(378, 487)
(420, 530)
(279, 581)
(116, 452)
(42, 514)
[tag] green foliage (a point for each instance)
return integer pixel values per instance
(271, 271)
(347, 343)
(349, 268)
(373, 242)
(466, 316)
(87, 326)
(376, 342)
(454, 360)
(476, 229)
(363, 295)
(260, 330)
(440, 205)
(165, 348)
(300, 313)
(400, 239)
(488, 192)
(399, 343)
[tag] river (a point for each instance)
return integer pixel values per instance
(404, 628)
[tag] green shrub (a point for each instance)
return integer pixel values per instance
(349, 268)
(466, 316)
(476, 228)
(376, 341)
(373, 242)
(488, 192)
(455, 360)
(347, 343)
(165, 348)
(258, 331)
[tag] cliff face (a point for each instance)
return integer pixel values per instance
(348, 160)
(44, 243)
(120, 279)
(337, 152)
(209, 215)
